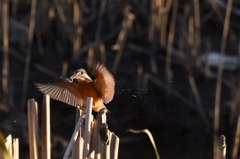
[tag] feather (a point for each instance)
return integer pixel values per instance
(104, 82)
(64, 91)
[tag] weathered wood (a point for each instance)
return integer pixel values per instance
(87, 127)
(8, 144)
(114, 145)
(92, 138)
(74, 137)
(221, 148)
(46, 142)
(33, 129)
(93, 143)
(15, 148)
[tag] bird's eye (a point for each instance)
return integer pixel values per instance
(81, 72)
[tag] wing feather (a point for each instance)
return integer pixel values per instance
(64, 91)
(104, 82)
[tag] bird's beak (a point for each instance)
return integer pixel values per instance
(84, 77)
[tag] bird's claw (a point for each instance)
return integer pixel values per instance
(69, 80)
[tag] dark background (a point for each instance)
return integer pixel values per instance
(145, 98)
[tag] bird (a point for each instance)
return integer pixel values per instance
(101, 89)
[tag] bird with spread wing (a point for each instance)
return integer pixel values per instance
(101, 89)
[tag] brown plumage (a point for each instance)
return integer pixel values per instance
(101, 89)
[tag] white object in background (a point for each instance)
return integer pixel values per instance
(229, 62)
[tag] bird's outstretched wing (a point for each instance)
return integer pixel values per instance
(64, 91)
(104, 82)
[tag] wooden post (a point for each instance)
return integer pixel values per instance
(92, 138)
(221, 148)
(74, 137)
(101, 118)
(8, 144)
(77, 151)
(46, 142)
(33, 128)
(93, 143)
(15, 148)
(114, 145)
(87, 127)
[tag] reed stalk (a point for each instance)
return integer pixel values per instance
(74, 137)
(33, 129)
(5, 68)
(46, 129)
(221, 148)
(28, 54)
(150, 137)
(170, 41)
(236, 140)
(219, 75)
(87, 127)
(122, 37)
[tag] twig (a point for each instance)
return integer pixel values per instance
(207, 65)
(5, 69)
(64, 70)
(170, 41)
(221, 148)
(198, 99)
(90, 57)
(220, 72)
(100, 22)
(126, 25)
(46, 143)
(77, 41)
(103, 53)
(33, 128)
(164, 24)
(197, 37)
(28, 56)
(236, 140)
(153, 21)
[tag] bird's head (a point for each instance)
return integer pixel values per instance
(80, 74)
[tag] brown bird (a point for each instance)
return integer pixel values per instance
(101, 89)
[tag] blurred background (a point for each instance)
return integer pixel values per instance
(175, 62)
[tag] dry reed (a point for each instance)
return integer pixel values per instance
(236, 140)
(5, 69)
(219, 76)
(33, 129)
(150, 137)
(221, 148)
(74, 137)
(119, 46)
(170, 41)
(9, 149)
(46, 139)
(28, 54)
